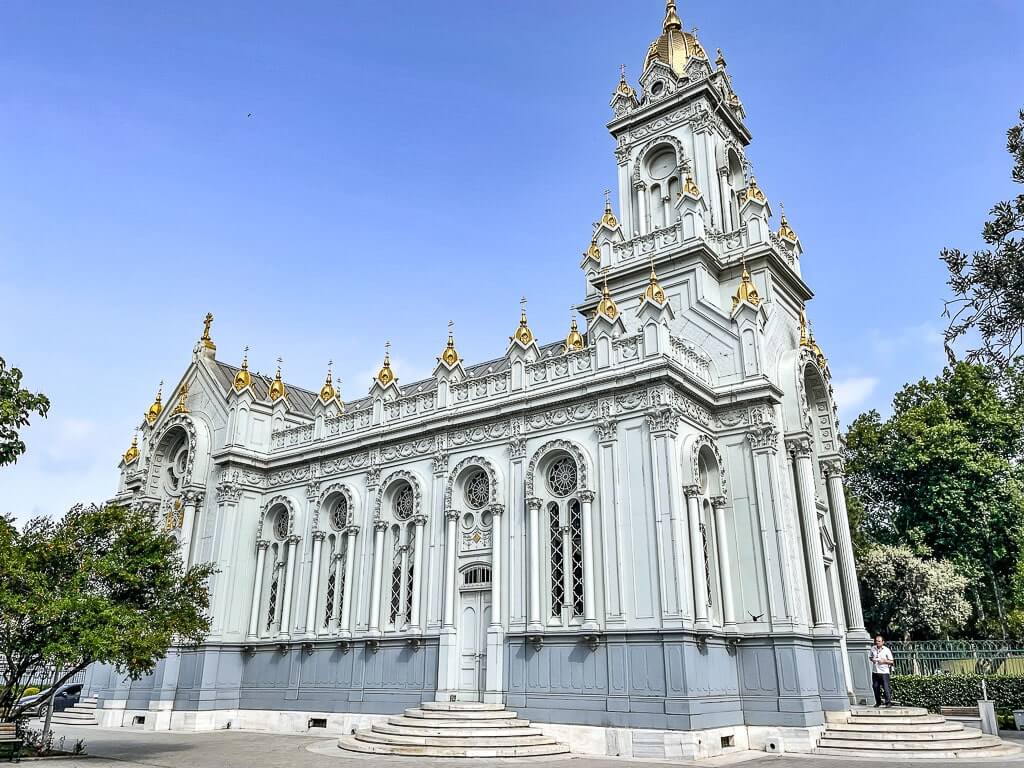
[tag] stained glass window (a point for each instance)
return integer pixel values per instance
(562, 476)
(478, 490)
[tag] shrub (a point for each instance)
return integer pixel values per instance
(30, 691)
(934, 691)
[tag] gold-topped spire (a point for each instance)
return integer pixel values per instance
(747, 291)
(805, 340)
(277, 388)
(672, 21)
(593, 252)
(690, 187)
(181, 407)
(674, 46)
(523, 333)
(157, 407)
(606, 306)
(785, 231)
(385, 375)
(654, 290)
(243, 378)
(132, 454)
(327, 391)
(624, 88)
(608, 219)
(207, 341)
(753, 192)
(449, 356)
(574, 341)
(720, 60)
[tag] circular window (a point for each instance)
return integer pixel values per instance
(662, 164)
(281, 524)
(478, 490)
(562, 478)
(486, 519)
(403, 503)
(468, 520)
(339, 515)
(657, 87)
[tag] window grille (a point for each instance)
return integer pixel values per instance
(329, 599)
(396, 585)
(403, 503)
(562, 476)
(707, 561)
(281, 524)
(576, 532)
(343, 570)
(478, 490)
(478, 576)
(557, 564)
(339, 516)
(409, 577)
(272, 603)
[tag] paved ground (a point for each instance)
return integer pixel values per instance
(126, 748)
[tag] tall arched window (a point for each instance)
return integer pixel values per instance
(565, 541)
(334, 564)
(402, 541)
(279, 523)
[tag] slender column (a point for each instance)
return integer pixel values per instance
(800, 448)
(192, 500)
(403, 587)
(344, 622)
(724, 561)
(418, 546)
(257, 588)
(641, 198)
(535, 624)
(667, 203)
(314, 583)
(568, 597)
(286, 607)
(589, 603)
(373, 627)
(336, 567)
(451, 518)
(700, 584)
(496, 512)
(678, 539)
(844, 545)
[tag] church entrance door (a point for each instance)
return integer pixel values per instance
(473, 623)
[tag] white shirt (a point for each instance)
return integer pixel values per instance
(879, 655)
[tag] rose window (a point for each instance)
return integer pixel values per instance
(562, 476)
(403, 503)
(339, 516)
(281, 525)
(478, 490)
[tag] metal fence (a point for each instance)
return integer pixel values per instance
(957, 657)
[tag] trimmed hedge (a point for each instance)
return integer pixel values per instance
(934, 691)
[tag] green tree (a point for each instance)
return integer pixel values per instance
(912, 597)
(16, 405)
(103, 584)
(942, 476)
(988, 285)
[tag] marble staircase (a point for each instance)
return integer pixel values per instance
(81, 713)
(456, 729)
(906, 733)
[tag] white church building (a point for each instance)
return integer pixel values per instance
(637, 527)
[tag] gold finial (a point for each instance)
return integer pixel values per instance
(449, 356)
(207, 341)
(181, 407)
(747, 291)
(327, 391)
(132, 454)
(690, 187)
(720, 61)
(157, 407)
(654, 290)
(243, 378)
(523, 333)
(672, 20)
(607, 305)
(574, 341)
(805, 339)
(593, 252)
(785, 231)
(753, 192)
(277, 388)
(385, 375)
(624, 88)
(608, 219)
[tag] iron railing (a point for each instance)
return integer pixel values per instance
(953, 657)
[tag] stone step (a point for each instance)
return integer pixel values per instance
(887, 736)
(956, 745)
(352, 744)
(461, 706)
(491, 714)
(422, 722)
(468, 733)
(85, 704)
(76, 715)
(888, 711)
(440, 741)
(915, 720)
(1003, 750)
(896, 728)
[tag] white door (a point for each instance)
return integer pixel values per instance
(473, 623)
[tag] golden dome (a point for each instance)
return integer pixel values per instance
(574, 341)
(182, 396)
(132, 454)
(593, 252)
(674, 47)
(449, 356)
(327, 391)
(785, 231)
(746, 292)
(523, 333)
(607, 306)
(654, 290)
(753, 192)
(690, 187)
(156, 408)
(385, 375)
(243, 378)
(277, 388)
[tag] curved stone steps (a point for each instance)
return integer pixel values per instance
(462, 714)
(947, 726)
(352, 744)
(460, 706)
(419, 722)
(887, 712)
(376, 737)
(456, 733)
(965, 740)
(1003, 750)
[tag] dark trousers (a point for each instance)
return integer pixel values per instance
(880, 684)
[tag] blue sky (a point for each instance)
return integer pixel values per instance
(409, 163)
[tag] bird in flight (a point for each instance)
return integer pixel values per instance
(755, 618)
(249, 115)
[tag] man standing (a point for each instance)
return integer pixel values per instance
(881, 668)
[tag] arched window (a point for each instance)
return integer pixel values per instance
(331, 588)
(565, 540)
(402, 544)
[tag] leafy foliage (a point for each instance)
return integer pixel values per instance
(934, 691)
(16, 405)
(942, 477)
(907, 595)
(103, 584)
(988, 285)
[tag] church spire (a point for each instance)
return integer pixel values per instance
(672, 21)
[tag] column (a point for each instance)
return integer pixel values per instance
(724, 561)
(700, 584)
(589, 603)
(417, 571)
(678, 539)
(191, 501)
(373, 627)
(286, 607)
(535, 624)
(344, 622)
(800, 448)
(257, 588)
(496, 542)
(314, 584)
(403, 587)
(641, 198)
(451, 518)
(337, 569)
(844, 545)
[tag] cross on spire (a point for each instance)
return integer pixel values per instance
(607, 197)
